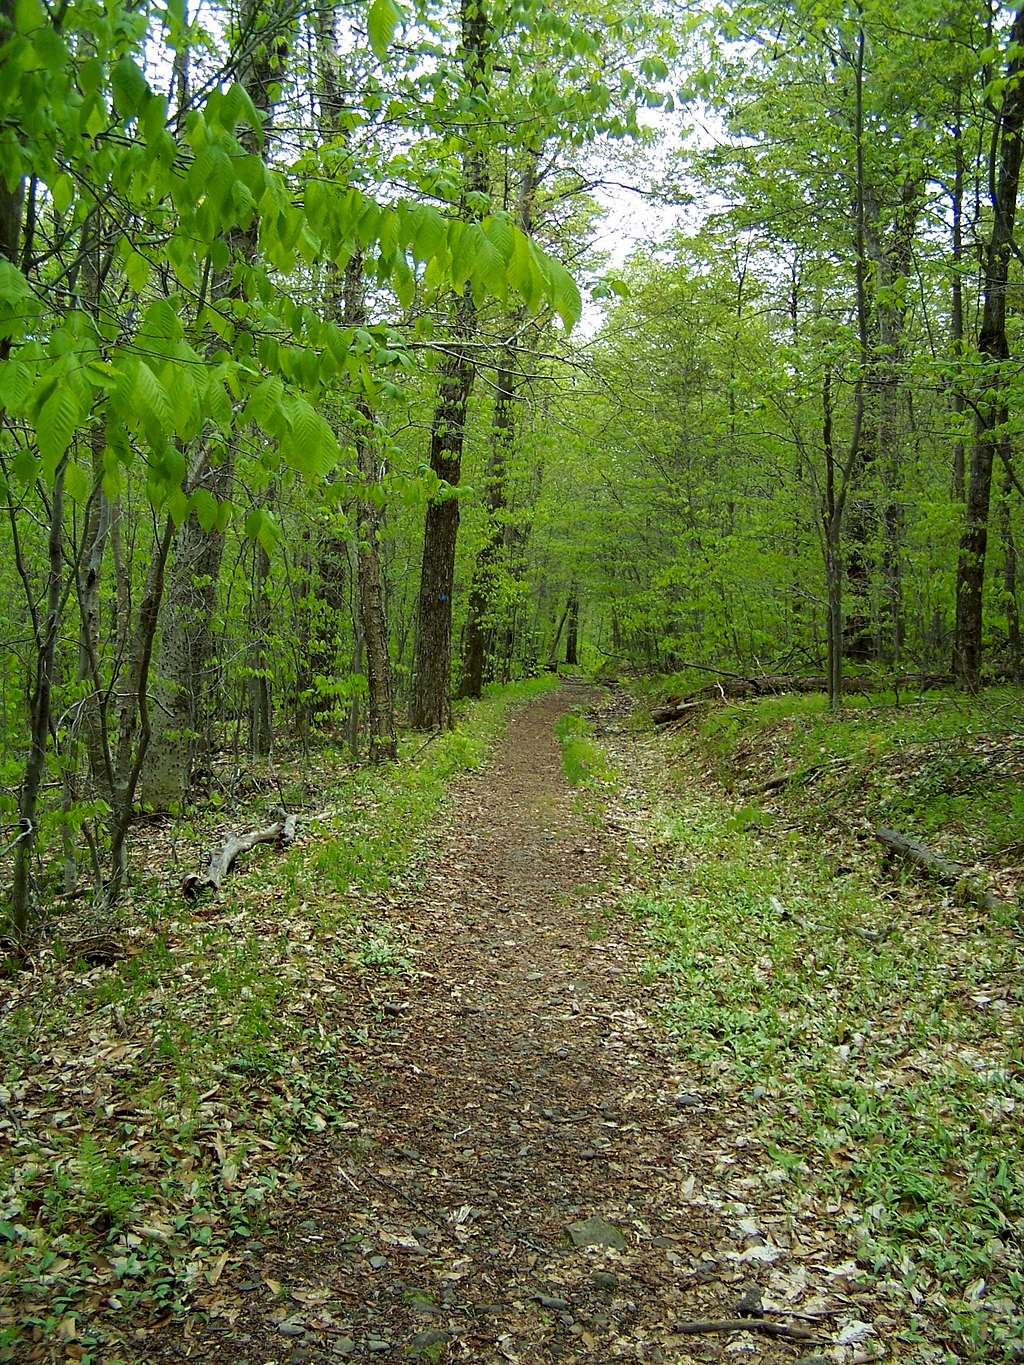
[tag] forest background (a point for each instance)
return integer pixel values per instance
(296, 436)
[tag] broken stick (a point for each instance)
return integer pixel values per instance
(221, 862)
(770, 1329)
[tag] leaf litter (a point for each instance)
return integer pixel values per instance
(418, 1200)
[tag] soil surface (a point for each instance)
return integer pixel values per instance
(517, 1099)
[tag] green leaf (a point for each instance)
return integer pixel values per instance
(129, 86)
(55, 426)
(381, 23)
(78, 482)
(15, 385)
(136, 270)
(206, 508)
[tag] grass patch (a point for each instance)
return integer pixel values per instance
(151, 1109)
(885, 1025)
(584, 761)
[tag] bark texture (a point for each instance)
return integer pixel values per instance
(993, 350)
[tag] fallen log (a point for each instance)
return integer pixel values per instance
(942, 869)
(769, 1329)
(221, 862)
(736, 688)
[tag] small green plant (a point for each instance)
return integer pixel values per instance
(583, 760)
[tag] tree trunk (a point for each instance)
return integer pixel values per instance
(573, 630)
(186, 649)
(136, 726)
(956, 310)
(383, 737)
(41, 713)
(993, 351)
(1013, 632)
(261, 723)
(488, 564)
(431, 697)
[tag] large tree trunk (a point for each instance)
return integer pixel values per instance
(432, 667)
(993, 351)
(480, 629)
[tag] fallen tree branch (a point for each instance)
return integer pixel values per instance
(738, 687)
(949, 873)
(221, 862)
(770, 1329)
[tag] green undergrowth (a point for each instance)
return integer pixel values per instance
(881, 1024)
(151, 1108)
(944, 767)
(584, 760)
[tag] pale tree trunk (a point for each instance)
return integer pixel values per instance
(186, 647)
(432, 667)
(261, 713)
(993, 350)
(372, 622)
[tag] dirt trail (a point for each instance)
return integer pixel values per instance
(512, 1087)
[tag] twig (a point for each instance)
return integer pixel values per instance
(770, 1329)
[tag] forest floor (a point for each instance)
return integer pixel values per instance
(519, 1097)
(576, 1085)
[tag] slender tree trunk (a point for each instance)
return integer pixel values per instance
(261, 724)
(488, 564)
(40, 711)
(370, 524)
(993, 350)
(857, 633)
(573, 629)
(1013, 630)
(136, 726)
(186, 649)
(956, 310)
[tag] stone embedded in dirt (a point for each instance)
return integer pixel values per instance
(377, 1345)
(378, 1262)
(686, 1099)
(605, 1279)
(432, 1336)
(548, 1301)
(292, 1327)
(344, 1346)
(595, 1231)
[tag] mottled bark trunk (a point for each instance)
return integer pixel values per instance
(431, 701)
(431, 696)
(993, 351)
